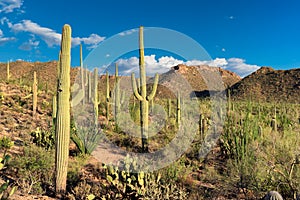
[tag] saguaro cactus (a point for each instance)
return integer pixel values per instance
(34, 94)
(82, 76)
(54, 109)
(7, 71)
(178, 116)
(96, 102)
(107, 96)
(169, 108)
(62, 128)
(117, 94)
(142, 94)
(89, 86)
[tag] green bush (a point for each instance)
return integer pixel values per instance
(34, 169)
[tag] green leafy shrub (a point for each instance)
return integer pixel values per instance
(34, 169)
(6, 143)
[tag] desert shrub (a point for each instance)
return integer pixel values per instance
(34, 169)
(6, 143)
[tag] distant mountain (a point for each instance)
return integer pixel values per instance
(267, 84)
(200, 80)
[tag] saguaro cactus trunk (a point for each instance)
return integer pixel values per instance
(142, 94)
(62, 128)
(34, 94)
(178, 116)
(117, 95)
(96, 101)
(107, 96)
(82, 76)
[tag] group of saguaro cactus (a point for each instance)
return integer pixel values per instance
(142, 94)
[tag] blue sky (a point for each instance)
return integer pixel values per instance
(239, 35)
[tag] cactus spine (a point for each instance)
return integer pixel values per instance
(142, 94)
(107, 96)
(62, 128)
(7, 71)
(82, 75)
(117, 95)
(34, 94)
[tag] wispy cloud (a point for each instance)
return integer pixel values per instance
(4, 40)
(51, 37)
(128, 32)
(164, 64)
(92, 41)
(46, 34)
(32, 43)
(8, 6)
(240, 67)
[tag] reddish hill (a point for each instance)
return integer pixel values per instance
(267, 84)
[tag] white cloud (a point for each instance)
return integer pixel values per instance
(223, 49)
(51, 37)
(30, 44)
(218, 62)
(93, 40)
(163, 64)
(4, 40)
(46, 34)
(128, 32)
(8, 6)
(239, 66)
(5, 20)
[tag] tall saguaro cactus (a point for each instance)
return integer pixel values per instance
(34, 94)
(142, 94)
(178, 115)
(62, 126)
(107, 96)
(96, 102)
(82, 76)
(117, 94)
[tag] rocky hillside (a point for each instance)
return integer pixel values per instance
(197, 79)
(267, 84)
